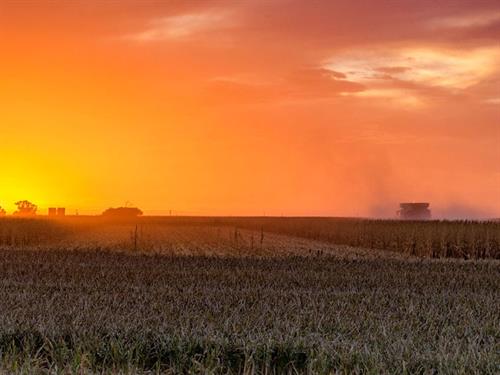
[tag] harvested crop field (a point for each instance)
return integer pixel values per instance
(201, 299)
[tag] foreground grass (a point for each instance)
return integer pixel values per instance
(87, 311)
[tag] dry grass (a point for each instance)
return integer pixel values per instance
(198, 298)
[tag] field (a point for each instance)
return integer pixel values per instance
(248, 295)
(258, 236)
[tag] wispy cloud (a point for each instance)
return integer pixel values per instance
(321, 82)
(402, 97)
(182, 26)
(493, 101)
(465, 20)
(301, 85)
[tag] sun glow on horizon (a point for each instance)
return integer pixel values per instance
(212, 109)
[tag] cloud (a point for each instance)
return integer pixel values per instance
(312, 83)
(393, 96)
(425, 65)
(410, 73)
(466, 20)
(182, 26)
(492, 101)
(467, 28)
(322, 82)
(393, 69)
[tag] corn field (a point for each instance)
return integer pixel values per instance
(435, 239)
(244, 296)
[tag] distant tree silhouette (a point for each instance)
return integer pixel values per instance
(25, 208)
(122, 212)
(2, 212)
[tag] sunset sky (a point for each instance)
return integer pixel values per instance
(276, 107)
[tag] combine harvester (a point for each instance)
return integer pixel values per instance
(414, 211)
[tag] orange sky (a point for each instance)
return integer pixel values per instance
(278, 107)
